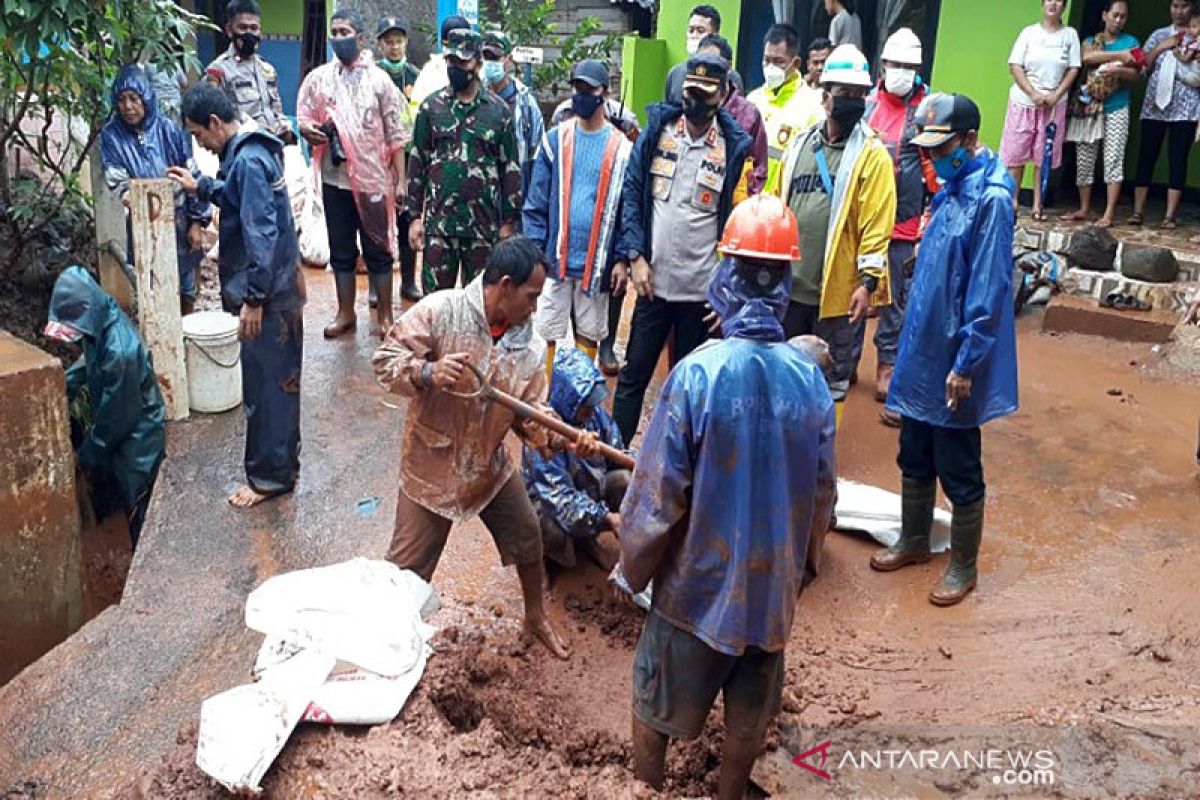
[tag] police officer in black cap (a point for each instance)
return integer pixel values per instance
(678, 194)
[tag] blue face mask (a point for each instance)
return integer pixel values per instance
(948, 167)
(493, 71)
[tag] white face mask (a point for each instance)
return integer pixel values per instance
(774, 75)
(693, 45)
(899, 81)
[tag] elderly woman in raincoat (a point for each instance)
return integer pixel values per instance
(139, 142)
(126, 440)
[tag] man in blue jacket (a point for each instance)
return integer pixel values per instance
(957, 363)
(737, 473)
(678, 194)
(260, 282)
(578, 499)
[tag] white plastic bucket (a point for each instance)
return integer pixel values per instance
(213, 357)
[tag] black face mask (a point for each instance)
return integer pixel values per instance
(460, 78)
(847, 111)
(345, 48)
(584, 105)
(697, 111)
(246, 44)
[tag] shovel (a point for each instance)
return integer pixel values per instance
(525, 411)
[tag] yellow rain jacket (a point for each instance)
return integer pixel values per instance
(861, 220)
(787, 112)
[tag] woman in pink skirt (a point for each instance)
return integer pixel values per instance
(1043, 63)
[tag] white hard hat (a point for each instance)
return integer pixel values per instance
(846, 65)
(903, 47)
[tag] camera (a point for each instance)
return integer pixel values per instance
(337, 153)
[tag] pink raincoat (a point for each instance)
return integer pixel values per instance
(372, 123)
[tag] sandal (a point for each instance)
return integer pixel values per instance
(1103, 223)
(1074, 216)
(1168, 224)
(1138, 218)
(1120, 301)
(1038, 216)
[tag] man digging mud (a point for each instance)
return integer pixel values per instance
(736, 474)
(454, 463)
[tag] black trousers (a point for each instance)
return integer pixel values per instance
(654, 320)
(344, 224)
(408, 258)
(271, 398)
(952, 455)
(1180, 136)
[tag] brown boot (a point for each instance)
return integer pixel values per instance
(883, 380)
(186, 305)
(345, 321)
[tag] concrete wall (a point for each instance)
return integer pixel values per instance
(39, 518)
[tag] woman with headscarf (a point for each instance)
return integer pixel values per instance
(139, 142)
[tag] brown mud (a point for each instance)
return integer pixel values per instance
(1086, 623)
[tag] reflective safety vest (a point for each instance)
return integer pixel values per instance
(787, 112)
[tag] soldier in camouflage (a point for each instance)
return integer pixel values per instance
(250, 82)
(464, 187)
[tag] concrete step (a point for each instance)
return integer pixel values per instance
(1069, 314)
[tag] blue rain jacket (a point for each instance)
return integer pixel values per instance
(147, 151)
(960, 307)
(128, 439)
(566, 488)
(260, 255)
(737, 471)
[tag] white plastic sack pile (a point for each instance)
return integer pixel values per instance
(876, 512)
(363, 614)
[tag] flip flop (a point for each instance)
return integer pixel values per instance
(1103, 223)
(1136, 219)
(1074, 216)
(1168, 224)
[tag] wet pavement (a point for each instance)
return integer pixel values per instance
(1086, 610)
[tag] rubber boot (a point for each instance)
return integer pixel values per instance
(609, 364)
(966, 529)
(382, 283)
(345, 321)
(917, 499)
(408, 280)
(186, 305)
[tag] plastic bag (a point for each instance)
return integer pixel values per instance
(314, 236)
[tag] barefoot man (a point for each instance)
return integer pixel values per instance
(454, 463)
(260, 282)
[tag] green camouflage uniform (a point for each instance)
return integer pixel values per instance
(464, 173)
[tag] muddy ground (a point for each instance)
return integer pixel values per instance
(1083, 638)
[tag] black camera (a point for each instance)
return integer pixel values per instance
(337, 153)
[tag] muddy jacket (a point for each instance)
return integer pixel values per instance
(637, 202)
(960, 307)
(549, 200)
(737, 472)
(128, 438)
(566, 488)
(892, 118)
(259, 263)
(252, 84)
(454, 460)
(147, 151)
(464, 174)
(861, 218)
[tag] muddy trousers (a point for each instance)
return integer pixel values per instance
(348, 229)
(271, 399)
(560, 546)
(891, 317)
(838, 332)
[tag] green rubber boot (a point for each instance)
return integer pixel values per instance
(917, 498)
(966, 529)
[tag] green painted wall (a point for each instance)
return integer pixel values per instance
(282, 17)
(644, 68)
(973, 44)
(673, 18)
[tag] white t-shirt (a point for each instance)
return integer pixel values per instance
(1045, 56)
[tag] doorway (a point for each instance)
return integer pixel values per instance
(316, 23)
